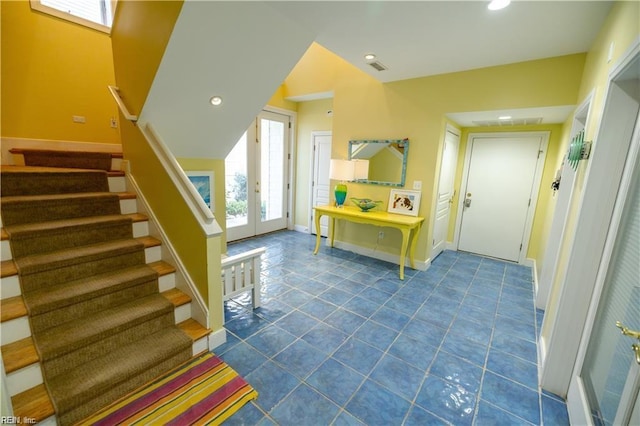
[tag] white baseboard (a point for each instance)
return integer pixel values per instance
(26, 143)
(217, 338)
(387, 257)
(301, 228)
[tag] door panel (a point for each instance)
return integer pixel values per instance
(445, 192)
(321, 193)
(498, 195)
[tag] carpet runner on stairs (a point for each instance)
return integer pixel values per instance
(100, 327)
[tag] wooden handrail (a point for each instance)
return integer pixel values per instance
(115, 92)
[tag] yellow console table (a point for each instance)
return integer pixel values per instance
(406, 224)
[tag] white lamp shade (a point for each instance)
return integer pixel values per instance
(342, 170)
(361, 169)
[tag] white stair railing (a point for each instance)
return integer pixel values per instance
(241, 273)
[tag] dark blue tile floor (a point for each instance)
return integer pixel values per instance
(341, 340)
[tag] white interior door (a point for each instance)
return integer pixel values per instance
(605, 384)
(445, 190)
(501, 189)
(320, 183)
(610, 375)
(257, 178)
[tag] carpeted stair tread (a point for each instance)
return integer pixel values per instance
(18, 210)
(42, 262)
(67, 159)
(33, 403)
(42, 237)
(117, 370)
(46, 180)
(82, 332)
(53, 306)
(12, 308)
(19, 354)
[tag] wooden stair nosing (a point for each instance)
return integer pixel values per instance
(33, 403)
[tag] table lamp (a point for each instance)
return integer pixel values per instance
(343, 171)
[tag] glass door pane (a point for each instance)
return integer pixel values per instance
(272, 169)
(236, 189)
(610, 370)
(273, 130)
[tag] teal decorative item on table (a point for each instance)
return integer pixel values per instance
(365, 204)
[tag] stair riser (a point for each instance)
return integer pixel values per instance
(5, 250)
(42, 211)
(92, 350)
(59, 316)
(11, 285)
(25, 378)
(15, 330)
(63, 274)
(140, 229)
(49, 183)
(60, 239)
(117, 184)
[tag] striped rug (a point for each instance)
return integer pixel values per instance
(204, 391)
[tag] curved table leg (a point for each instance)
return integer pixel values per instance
(403, 250)
(414, 241)
(318, 233)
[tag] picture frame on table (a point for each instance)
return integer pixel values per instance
(404, 201)
(203, 181)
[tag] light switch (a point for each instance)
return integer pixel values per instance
(78, 119)
(417, 184)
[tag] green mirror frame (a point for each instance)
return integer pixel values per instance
(381, 153)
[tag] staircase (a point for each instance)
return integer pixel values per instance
(89, 310)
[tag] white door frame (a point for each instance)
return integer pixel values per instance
(608, 158)
(561, 212)
(455, 131)
(312, 165)
(534, 193)
(570, 316)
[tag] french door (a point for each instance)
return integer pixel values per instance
(257, 178)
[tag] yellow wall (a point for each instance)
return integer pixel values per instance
(217, 167)
(312, 116)
(53, 69)
(141, 31)
(367, 109)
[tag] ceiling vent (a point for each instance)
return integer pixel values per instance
(378, 66)
(510, 122)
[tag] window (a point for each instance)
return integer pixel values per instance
(96, 14)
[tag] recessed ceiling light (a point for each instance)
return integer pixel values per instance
(369, 56)
(504, 117)
(216, 100)
(498, 4)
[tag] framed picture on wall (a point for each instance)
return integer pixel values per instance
(403, 201)
(203, 182)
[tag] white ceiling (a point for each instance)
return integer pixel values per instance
(421, 38)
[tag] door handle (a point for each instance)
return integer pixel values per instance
(633, 334)
(627, 332)
(467, 202)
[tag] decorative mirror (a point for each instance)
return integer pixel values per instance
(387, 160)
